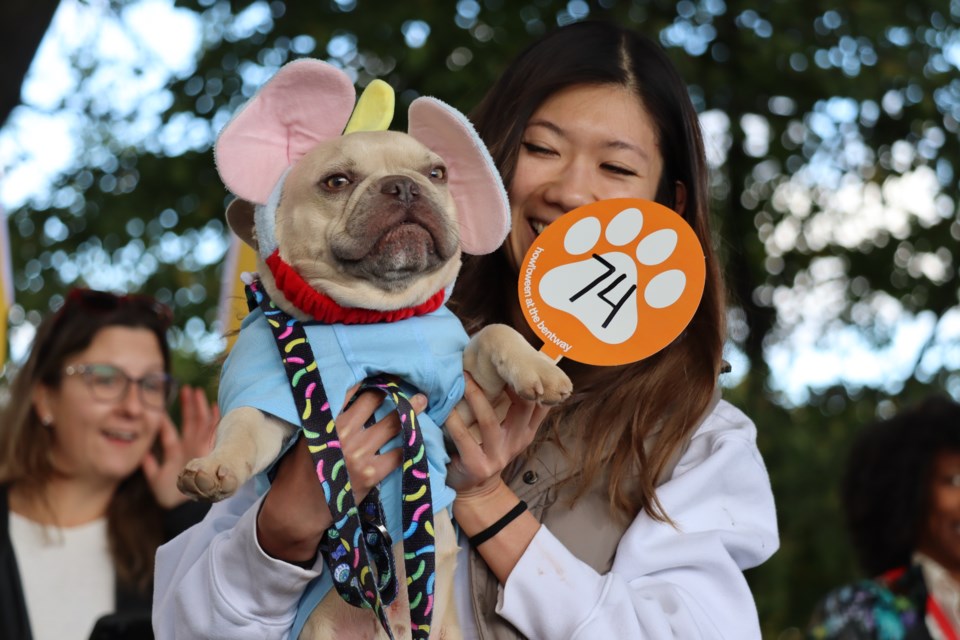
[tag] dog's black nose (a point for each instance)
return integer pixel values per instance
(403, 189)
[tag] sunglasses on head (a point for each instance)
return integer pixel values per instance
(105, 302)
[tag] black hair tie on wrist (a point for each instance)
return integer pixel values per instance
(496, 527)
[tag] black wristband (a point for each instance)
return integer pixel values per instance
(494, 529)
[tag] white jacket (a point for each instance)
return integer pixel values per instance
(214, 581)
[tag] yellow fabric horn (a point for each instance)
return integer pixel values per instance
(374, 110)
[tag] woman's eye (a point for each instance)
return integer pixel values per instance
(154, 384)
(336, 182)
(106, 379)
(531, 147)
(105, 376)
(619, 170)
(954, 480)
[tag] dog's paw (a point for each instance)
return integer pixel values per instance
(534, 376)
(208, 479)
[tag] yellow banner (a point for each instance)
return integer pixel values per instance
(233, 302)
(6, 285)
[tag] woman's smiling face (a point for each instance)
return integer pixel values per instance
(104, 440)
(584, 143)
(940, 532)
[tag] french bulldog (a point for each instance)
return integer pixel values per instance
(371, 220)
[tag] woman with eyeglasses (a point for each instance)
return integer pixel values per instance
(88, 463)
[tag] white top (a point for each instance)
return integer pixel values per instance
(67, 576)
(461, 590)
(944, 589)
(213, 581)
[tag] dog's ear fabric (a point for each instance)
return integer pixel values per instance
(310, 101)
(240, 217)
(482, 207)
(307, 102)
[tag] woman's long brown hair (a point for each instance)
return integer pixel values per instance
(610, 420)
(134, 525)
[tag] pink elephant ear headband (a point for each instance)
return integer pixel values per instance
(308, 102)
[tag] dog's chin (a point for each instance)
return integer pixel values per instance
(400, 256)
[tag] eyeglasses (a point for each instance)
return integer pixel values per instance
(108, 383)
(104, 301)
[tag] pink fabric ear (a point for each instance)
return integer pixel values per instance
(482, 206)
(307, 102)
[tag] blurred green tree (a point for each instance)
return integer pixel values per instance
(832, 132)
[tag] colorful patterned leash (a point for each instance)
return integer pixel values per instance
(357, 547)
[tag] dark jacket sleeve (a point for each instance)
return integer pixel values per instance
(181, 518)
(133, 608)
(14, 623)
(131, 621)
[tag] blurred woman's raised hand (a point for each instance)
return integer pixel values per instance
(194, 439)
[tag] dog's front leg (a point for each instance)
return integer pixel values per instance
(247, 441)
(498, 355)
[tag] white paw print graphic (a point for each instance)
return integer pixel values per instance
(601, 290)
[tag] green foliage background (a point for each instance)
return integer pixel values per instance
(825, 104)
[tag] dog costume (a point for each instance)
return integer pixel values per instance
(306, 103)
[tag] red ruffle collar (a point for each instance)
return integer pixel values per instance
(324, 309)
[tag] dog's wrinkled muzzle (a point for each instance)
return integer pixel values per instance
(396, 231)
(401, 188)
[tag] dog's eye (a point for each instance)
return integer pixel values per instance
(336, 182)
(438, 173)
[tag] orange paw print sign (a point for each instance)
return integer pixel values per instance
(612, 282)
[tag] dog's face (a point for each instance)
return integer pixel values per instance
(368, 220)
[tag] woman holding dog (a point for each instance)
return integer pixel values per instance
(88, 465)
(631, 510)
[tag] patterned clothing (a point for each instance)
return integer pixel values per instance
(894, 606)
(426, 351)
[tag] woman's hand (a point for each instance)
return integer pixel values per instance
(482, 496)
(194, 440)
(475, 470)
(294, 514)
